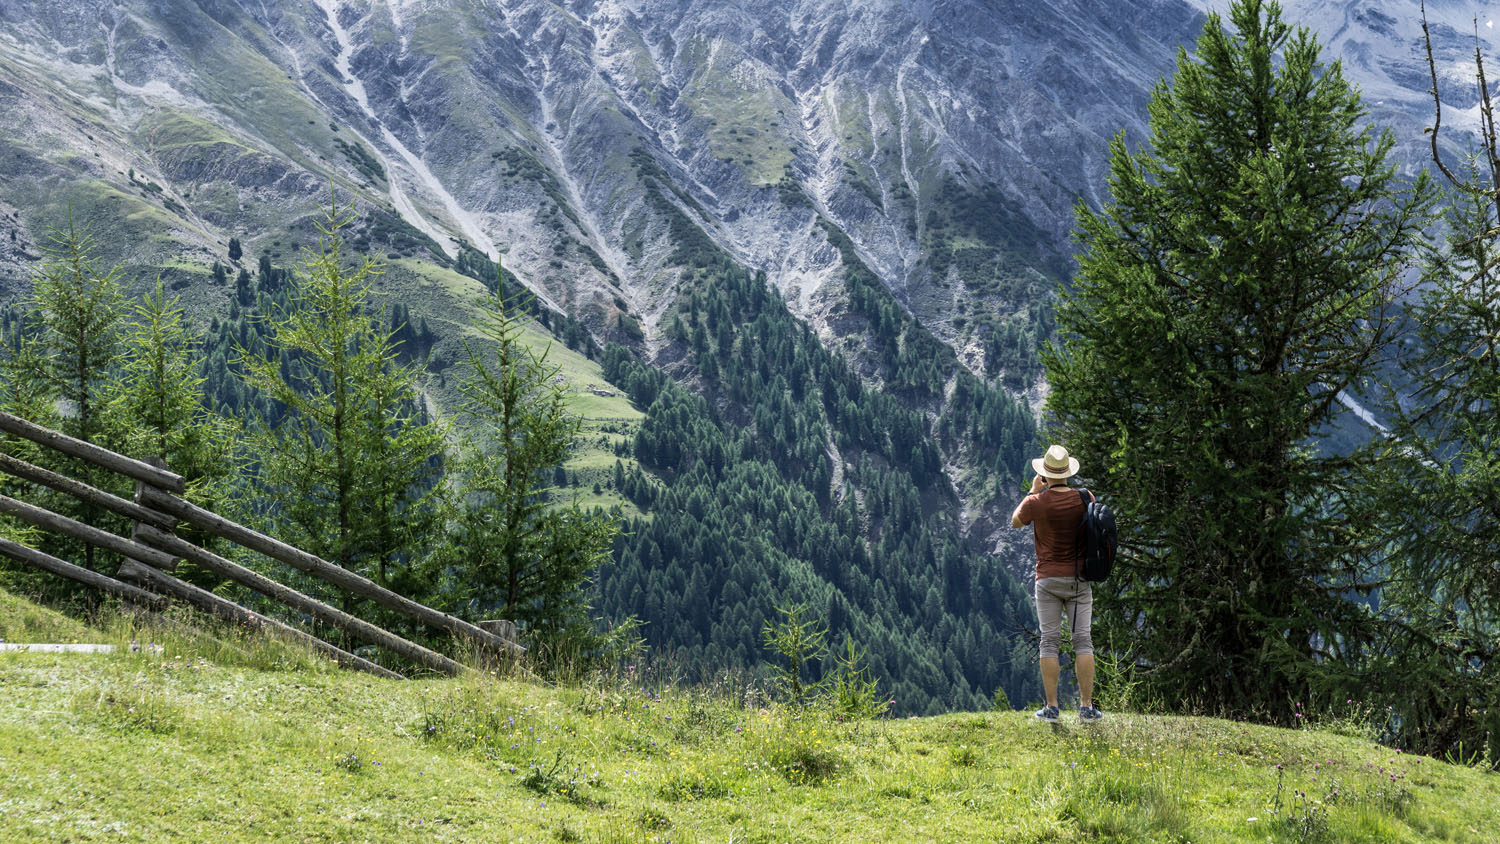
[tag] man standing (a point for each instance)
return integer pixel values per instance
(1055, 510)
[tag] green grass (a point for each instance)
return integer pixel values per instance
(198, 742)
(24, 621)
(170, 129)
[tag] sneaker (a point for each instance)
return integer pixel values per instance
(1048, 714)
(1090, 714)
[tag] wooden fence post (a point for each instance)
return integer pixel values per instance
(140, 491)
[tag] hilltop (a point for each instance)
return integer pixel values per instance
(228, 739)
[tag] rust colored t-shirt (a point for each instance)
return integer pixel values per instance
(1054, 515)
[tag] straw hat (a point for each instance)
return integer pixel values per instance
(1056, 464)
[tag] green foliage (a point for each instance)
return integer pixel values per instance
(790, 192)
(1238, 280)
(853, 693)
(748, 513)
(1439, 480)
(797, 640)
(386, 230)
(363, 160)
(156, 402)
(157, 408)
(353, 463)
(513, 552)
(63, 356)
(986, 236)
(78, 311)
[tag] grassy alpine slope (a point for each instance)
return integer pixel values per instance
(233, 739)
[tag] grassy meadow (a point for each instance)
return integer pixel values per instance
(228, 738)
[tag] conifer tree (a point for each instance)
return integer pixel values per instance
(25, 393)
(1439, 477)
(1439, 480)
(515, 552)
(157, 400)
(78, 310)
(354, 463)
(1237, 282)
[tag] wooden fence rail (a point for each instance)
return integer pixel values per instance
(339, 576)
(62, 568)
(83, 492)
(298, 601)
(153, 551)
(101, 457)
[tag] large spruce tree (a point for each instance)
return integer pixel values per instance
(1236, 284)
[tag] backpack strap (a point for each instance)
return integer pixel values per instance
(1085, 496)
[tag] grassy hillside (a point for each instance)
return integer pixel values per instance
(240, 740)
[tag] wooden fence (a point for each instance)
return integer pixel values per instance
(152, 551)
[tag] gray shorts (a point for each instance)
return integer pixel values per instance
(1065, 598)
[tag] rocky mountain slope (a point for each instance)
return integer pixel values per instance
(942, 145)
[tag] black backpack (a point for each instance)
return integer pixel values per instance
(1096, 539)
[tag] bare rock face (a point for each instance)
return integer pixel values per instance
(531, 127)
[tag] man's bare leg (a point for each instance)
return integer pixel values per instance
(1050, 671)
(1083, 666)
